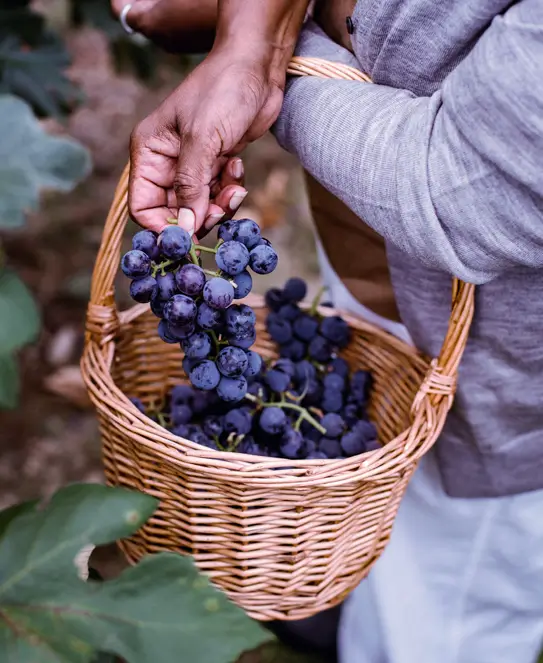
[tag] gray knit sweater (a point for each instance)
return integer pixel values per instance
(443, 156)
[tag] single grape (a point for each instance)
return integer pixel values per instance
(274, 299)
(254, 364)
(273, 420)
(309, 446)
(290, 312)
(334, 424)
(232, 390)
(146, 241)
(373, 445)
(181, 414)
(166, 286)
(232, 362)
(237, 421)
(294, 349)
(180, 332)
(190, 280)
(304, 370)
(218, 293)
(180, 310)
(136, 264)
(340, 366)
(285, 366)
(239, 319)
(232, 257)
(244, 340)
(174, 242)
(332, 401)
(213, 426)
(143, 290)
(320, 350)
(317, 455)
(305, 327)
(334, 381)
(351, 414)
(197, 346)
(157, 307)
(138, 404)
(352, 444)
(292, 444)
(164, 333)
(209, 318)
(295, 290)
(277, 381)
(280, 331)
(249, 446)
(335, 330)
(244, 284)
(247, 232)
(181, 394)
(188, 364)
(330, 447)
(181, 431)
(205, 375)
(360, 387)
(366, 430)
(263, 259)
(226, 230)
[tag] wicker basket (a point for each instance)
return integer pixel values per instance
(283, 542)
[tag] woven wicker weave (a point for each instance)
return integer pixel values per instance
(283, 541)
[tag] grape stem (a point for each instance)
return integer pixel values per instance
(304, 414)
(206, 249)
(161, 266)
(317, 301)
(193, 255)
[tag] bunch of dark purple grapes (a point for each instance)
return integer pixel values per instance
(304, 405)
(195, 305)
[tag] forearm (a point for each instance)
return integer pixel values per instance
(267, 29)
(452, 179)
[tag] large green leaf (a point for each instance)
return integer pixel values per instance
(160, 611)
(9, 381)
(32, 160)
(19, 316)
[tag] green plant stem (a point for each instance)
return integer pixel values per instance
(206, 249)
(209, 272)
(304, 414)
(193, 255)
(161, 266)
(317, 301)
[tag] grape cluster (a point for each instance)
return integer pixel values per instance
(304, 405)
(195, 305)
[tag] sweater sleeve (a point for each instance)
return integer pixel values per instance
(453, 180)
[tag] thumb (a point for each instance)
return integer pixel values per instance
(193, 176)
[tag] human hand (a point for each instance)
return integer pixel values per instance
(182, 161)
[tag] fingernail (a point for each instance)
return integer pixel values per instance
(186, 219)
(237, 169)
(212, 220)
(236, 200)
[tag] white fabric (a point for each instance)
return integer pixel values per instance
(461, 580)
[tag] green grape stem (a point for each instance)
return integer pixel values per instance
(205, 249)
(304, 414)
(317, 301)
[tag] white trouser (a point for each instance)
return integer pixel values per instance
(461, 580)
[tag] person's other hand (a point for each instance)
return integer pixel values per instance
(181, 154)
(177, 26)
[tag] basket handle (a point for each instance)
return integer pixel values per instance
(102, 315)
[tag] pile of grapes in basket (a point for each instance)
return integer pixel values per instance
(303, 405)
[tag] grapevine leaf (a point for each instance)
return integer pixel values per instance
(19, 317)
(161, 610)
(9, 381)
(36, 161)
(7, 515)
